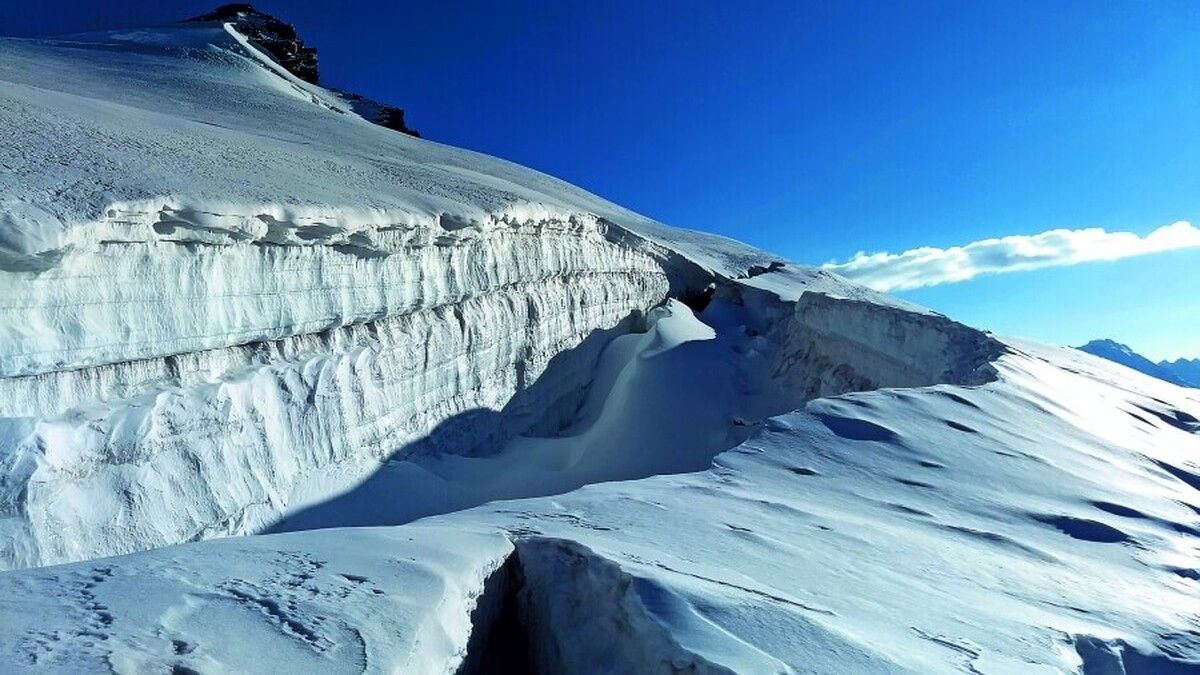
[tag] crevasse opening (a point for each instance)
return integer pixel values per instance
(504, 387)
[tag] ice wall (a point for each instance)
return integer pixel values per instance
(822, 344)
(183, 391)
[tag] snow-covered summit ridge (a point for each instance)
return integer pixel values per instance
(224, 138)
(273, 36)
(1108, 345)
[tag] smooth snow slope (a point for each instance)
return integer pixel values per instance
(228, 305)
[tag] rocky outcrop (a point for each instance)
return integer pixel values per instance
(279, 40)
(387, 116)
(274, 37)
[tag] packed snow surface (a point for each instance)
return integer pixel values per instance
(338, 399)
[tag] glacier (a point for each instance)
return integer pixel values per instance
(284, 388)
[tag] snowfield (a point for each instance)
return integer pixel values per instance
(282, 390)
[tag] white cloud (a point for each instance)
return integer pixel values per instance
(928, 266)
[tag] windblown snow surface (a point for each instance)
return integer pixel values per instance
(285, 391)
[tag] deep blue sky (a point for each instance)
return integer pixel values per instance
(813, 129)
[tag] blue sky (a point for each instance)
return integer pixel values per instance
(816, 130)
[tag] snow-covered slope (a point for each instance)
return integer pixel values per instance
(221, 286)
(1048, 521)
(232, 306)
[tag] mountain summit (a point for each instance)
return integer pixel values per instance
(269, 34)
(1181, 372)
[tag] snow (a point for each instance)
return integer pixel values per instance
(912, 529)
(359, 600)
(192, 105)
(209, 265)
(338, 398)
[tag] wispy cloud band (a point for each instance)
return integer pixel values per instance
(928, 266)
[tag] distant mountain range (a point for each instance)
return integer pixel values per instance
(1183, 372)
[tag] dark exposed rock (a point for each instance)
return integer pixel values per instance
(274, 37)
(756, 270)
(1122, 354)
(380, 113)
(279, 40)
